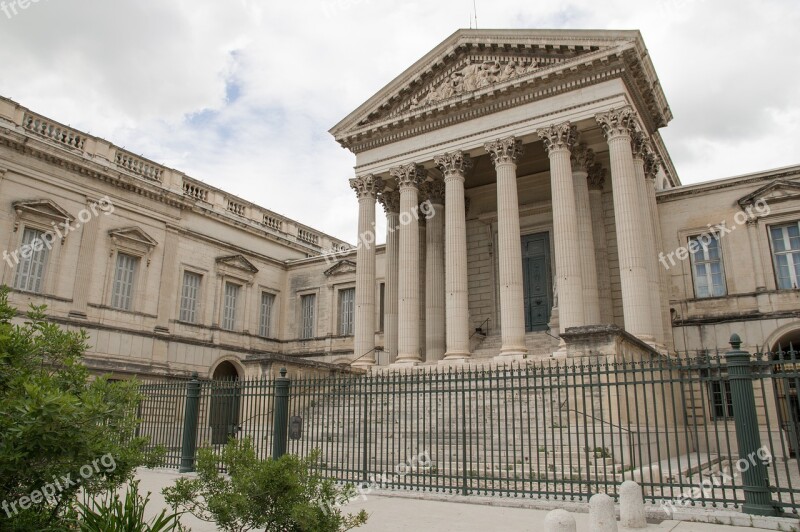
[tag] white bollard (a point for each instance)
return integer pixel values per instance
(631, 505)
(559, 521)
(601, 514)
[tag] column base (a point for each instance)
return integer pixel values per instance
(363, 364)
(456, 355)
(405, 362)
(512, 353)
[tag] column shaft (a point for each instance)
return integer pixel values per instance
(582, 158)
(434, 273)
(454, 166)
(391, 204)
(504, 154)
(596, 180)
(617, 125)
(423, 279)
(366, 188)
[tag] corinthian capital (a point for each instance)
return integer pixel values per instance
(390, 199)
(558, 137)
(651, 164)
(617, 122)
(596, 176)
(366, 186)
(506, 150)
(454, 163)
(582, 158)
(640, 144)
(409, 175)
(434, 191)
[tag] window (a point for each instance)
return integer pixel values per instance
(709, 276)
(33, 257)
(719, 390)
(265, 325)
(230, 306)
(124, 274)
(347, 305)
(307, 304)
(189, 295)
(786, 254)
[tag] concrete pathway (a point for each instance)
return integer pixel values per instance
(400, 512)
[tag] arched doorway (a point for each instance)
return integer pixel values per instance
(223, 415)
(786, 352)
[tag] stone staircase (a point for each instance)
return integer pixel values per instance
(539, 344)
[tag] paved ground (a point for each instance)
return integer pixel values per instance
(402, 513)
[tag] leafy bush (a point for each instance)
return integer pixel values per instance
(112, 514)
(56, 419)
(284, 495)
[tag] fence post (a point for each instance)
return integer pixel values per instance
(280, 424)
(758, 500)
(190, 418)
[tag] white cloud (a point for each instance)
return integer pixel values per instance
(156, 77)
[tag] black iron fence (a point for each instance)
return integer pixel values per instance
(687, 429)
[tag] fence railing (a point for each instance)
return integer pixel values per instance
(558, 429)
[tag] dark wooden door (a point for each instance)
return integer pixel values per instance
(536, 280)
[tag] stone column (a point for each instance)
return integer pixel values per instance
(758, 268)
(582, 160)
(663, 327)
(390, 199)
(617, 125)
(422, 227)
(558, 141)
(434, 271)
(504, 154)
(454, 166)
(596, 179)
(647, 233)
(408, 179)
(366, 188)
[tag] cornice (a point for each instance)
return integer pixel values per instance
(699, 189)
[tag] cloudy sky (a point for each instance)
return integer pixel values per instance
(241, 93)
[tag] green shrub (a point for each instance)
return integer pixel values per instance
(112, 514)
(284, 495)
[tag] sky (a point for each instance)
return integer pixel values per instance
(241, 93)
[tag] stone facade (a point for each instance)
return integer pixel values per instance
(526, 190)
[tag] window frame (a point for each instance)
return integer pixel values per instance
(266, 318)
(307, 324)
(198, 295)
(346, 296)
(43, 254)
(224, 308)
(132, 283)
(793, 274)
(707, 262)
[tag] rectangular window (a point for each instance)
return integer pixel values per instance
(347, 306)
(709, 276)
(786, 254)
(124, 275)
(189, 296)
(265, 324)
(721, 402)
(230, 306)
(307, 304)
(30, 270)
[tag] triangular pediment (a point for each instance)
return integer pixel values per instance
(340, 268)
(474, 67)
(43, 207)
(133, 235)
(774, 192)
(238, 262)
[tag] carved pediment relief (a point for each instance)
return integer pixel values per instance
(45, 211)
(132, 236)
(341, 268)
(777, 191)
(237, 262)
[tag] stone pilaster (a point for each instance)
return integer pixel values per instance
(390, 199)
(84, 270)
(755, 253)
(660, 304)
(366, 188)
(618, 125)
(409, 177)
(434, 271)
(558, 141)
(454, 166)
(582, 160)
(596, 180)
(504, 154)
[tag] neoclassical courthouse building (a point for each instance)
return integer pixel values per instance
(526, 190)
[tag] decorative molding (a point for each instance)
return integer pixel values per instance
(134, 240)
(776, 191)
(366, 186)
(596, 176)
(617, 122)
(409, 175)
(343, 267)
(44, 211)
(504, 151)
(582, 158)
(453, 164)
(558, 136)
